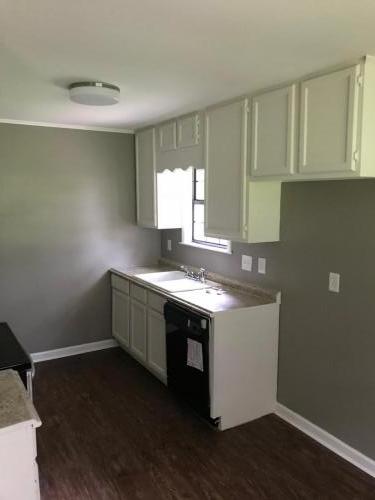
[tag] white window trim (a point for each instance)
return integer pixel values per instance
(192, 244)
(187, 226)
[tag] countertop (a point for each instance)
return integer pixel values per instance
(239, 295)
(15, 406)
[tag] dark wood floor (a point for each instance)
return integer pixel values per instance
(112, 431)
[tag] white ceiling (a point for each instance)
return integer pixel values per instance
(168, 56)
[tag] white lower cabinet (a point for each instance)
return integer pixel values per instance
(138, 324)
(120, 316)
(19, 477)
(138, 329)
(156, 346)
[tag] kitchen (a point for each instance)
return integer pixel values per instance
(208, 380)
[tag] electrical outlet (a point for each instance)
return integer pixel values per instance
(334, 282)
(169, 245)
(247, 263)
(261, 265)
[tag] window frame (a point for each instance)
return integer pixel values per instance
(197, 201)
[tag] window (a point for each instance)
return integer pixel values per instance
(195, 218)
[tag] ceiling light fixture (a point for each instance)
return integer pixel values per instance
(94, 93)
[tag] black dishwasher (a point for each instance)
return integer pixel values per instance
(187, 336)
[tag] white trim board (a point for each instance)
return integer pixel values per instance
(323, 437)
(37, 357)
(66, 125)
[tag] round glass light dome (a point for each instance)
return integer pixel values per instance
(94, 93)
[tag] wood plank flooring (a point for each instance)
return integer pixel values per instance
(112, 431)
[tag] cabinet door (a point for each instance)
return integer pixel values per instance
(146, 178)
(156, 347)
(328, 130)
(226, 177)
(138, 329)
(120, 317)
(188, 131)
(273, 132)
(167, 136)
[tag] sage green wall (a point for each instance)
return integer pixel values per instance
(327, 340)
(67, 214)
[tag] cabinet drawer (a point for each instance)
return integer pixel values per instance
(120, 284)
(156, 302)
(139, 293)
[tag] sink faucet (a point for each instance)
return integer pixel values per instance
(201, 275)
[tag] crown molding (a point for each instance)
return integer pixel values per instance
(66, 125)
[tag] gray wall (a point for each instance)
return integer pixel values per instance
(327, 340)
(67, 214)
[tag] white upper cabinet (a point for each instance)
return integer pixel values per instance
(336, 123)
(273, 132)
(226, 165)
(329, 122)
(167, 136)
(188, 131)
(158, 194)
(146, 178)
(180, 144)
(235, 208)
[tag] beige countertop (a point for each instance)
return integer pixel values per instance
(15, 406)
(239, 295)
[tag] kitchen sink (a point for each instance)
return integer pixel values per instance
(181, 285)
(172, 281)
(161, 276)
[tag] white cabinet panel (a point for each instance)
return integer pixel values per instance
(156, 345)
(19, 478)
(273, 132)
(167, 136)
(328, 130)
(146, 178)
(188, 131)
(226, 164)
(120, 283)
(156, 301)
(120, 317)
(138, 329)
(139, 293)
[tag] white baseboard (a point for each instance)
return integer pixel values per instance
(37, 357)
(323, 437)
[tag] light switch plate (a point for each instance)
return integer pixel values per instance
(169, 245)
(334, 282)
(247, 263)
(261, 265)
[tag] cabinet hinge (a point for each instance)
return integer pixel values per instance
(360, 80)
(356, 155)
